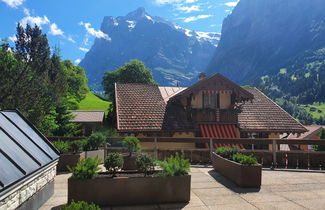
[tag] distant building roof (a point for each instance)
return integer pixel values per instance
(312, 131)
(142, 107)
(139, 107)
(88, 116)
(23, 150)
(263, 114)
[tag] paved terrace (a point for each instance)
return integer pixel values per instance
(281, 189)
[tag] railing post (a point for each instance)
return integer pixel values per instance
(211, 147)
(274, 154)
(156, 148)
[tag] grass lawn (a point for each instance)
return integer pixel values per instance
(92, 102)
(319, 109)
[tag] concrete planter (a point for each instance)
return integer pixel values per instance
(96, 153)
(107, 191)
(69, 159)
(242, 175)
(129, 162)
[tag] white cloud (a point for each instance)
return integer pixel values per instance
(12, 38)
(83, 49)
(86, 40)
(70, 39)
(231, 3)
(98, 34)
(186, 9)
(190, 1)
(13, 3)
(26, 11)
(37, 20)
(55, 31)
(77, 61)
(195, 18)
(161, 2)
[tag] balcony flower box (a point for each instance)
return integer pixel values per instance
(249, 176)
(104, 190)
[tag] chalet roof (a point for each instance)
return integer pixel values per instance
(139, 107)
(312, 131)
(142, 108)
(168, 92)
(23, 150)
(88, 116)
(263, 114)
(221, 83)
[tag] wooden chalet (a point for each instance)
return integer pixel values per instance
(213, 107)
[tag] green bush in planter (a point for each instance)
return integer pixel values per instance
(76, 146)
(96, 140)
(80, 205)
(113, 162)
(86, 168)
(227, 152)
(174, 166)
(61, 146)
(145, 163)
(244, 159)
(85, 145)
(132, 144)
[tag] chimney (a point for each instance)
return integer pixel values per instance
(202, 76)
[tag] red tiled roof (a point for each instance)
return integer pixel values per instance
(263, 114)
(142, 108)
(88, 116)
(139, 107)
(312, 131)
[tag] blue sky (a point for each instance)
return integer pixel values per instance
(73, 24)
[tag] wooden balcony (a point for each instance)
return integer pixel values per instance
(211, 115)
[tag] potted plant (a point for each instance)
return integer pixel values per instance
(94, 144)
(133, 146)
(80, 205)
(70, 153)
(241, 169)
(169, 184)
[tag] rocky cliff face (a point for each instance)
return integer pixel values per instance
(175, 55)
(262, 36)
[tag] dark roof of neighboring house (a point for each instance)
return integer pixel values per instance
(139, 107)
(142, 108)
(88, 116)
(264, 114)
(23, 150)
(312, 131)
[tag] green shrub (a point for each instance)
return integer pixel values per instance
(61, 146)
(244, 159)
(174, 166)
(227, 152)
(145, 163)
(80, 205)
(76, 146)
(113, 162)
(96, 140)
(85, 144)
(86, 168)
(131, 143)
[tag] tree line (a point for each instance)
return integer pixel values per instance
(39, 83)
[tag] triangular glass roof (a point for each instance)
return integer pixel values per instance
(23, 149)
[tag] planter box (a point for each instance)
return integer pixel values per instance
(129, 162)
(96, 153)
(107, 191)
(242, 175)
(69, 160)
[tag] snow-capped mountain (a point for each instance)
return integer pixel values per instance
(174, 54)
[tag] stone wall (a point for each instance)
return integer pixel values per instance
(21, 193)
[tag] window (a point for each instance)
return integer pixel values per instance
(210, 100)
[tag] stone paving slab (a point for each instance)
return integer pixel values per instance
(281, 189)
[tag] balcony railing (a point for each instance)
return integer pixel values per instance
(214, 115)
